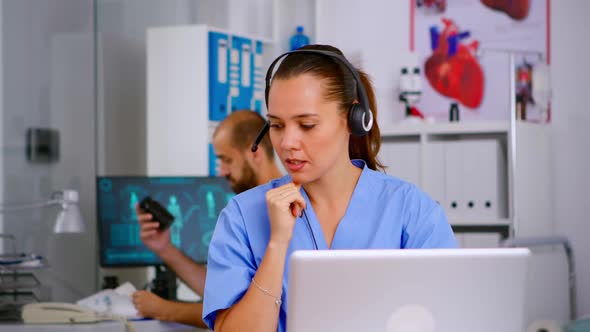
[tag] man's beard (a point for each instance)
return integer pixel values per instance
(248, 180)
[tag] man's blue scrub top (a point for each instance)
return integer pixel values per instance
(384, 213)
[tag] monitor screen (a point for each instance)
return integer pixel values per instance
(195, 203)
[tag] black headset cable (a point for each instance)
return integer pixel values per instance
(309, 228)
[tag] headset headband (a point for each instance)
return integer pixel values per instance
(361, 93)
(359, 112)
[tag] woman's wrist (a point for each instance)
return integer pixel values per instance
(278, 244)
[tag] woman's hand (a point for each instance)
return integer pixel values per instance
(284, 204)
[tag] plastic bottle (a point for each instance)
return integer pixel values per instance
(299, 39)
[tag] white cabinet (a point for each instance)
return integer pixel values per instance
(487, 177)
(196, 75)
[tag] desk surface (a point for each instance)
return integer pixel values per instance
(110, 326)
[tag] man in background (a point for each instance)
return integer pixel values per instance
(244, 169)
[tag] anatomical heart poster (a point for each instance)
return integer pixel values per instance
(463, 45)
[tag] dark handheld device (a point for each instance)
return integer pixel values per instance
(157, 211)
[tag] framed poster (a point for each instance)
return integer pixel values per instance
(463, 48)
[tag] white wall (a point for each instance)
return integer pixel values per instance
(571, 121)
(120, 104)
(48, 81)
(121, 78)
(375, 37)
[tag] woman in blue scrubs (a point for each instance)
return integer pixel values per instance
(335, 196)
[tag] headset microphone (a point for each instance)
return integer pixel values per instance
(260, 136)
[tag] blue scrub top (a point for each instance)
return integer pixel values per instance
(384, 213)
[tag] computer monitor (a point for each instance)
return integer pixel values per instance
(426, 290)
(195, 203)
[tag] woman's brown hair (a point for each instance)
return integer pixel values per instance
(340, 87)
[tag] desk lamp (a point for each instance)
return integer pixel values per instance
(69, 218)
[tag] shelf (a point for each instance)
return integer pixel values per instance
(480, 222)
(398, 130)
(12, 282)
(503, 230)
(458, 128)
(11, 263)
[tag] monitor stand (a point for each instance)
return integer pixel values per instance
(164, 284)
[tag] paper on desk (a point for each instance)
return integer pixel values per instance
(126, 289)
(112, 301)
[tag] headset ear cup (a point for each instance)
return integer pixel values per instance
(355, 120)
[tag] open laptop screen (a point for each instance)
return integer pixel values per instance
(427, 290)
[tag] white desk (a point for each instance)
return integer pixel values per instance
(110, 326)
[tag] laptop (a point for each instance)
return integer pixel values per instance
(418, 290)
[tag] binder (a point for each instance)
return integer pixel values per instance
(218, 75)
(258, 77)
(454, 202)
(212, 161)
(475, 178)
(434, 175)
(241, 85)
(484, 176)
(402, 159)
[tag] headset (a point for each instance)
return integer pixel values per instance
(360, 117)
